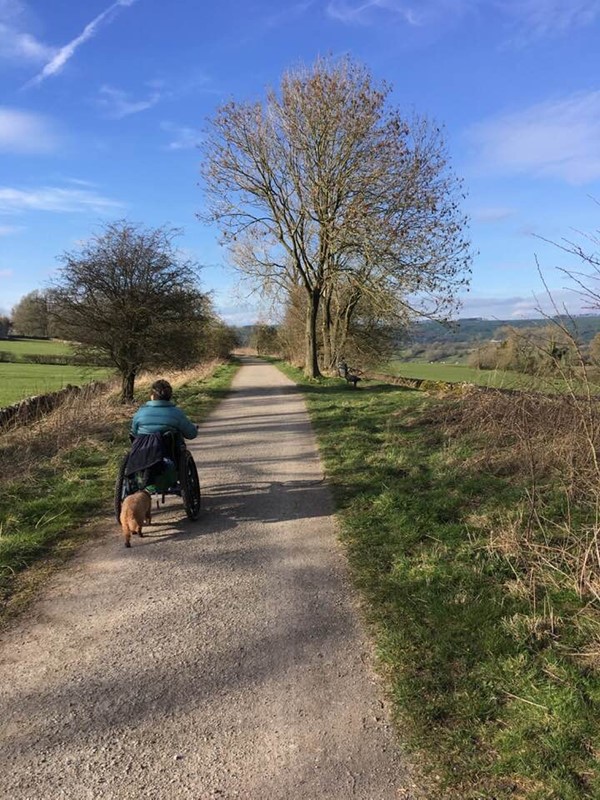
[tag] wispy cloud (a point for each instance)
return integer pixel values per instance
(543, 18)
(9, 230)
(19, 47)
(65, 53)
(288, 13)
(521, 307)
(364, 12)
(16, 44)
(530, 18)
(54, 199)
(182, 137)
(24, 132)
(493, 214)
(117, 103)
(559, 139)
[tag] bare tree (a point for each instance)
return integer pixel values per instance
(322, 182)
(131, 297)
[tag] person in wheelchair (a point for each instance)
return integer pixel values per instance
(158, 430)
(160, 414)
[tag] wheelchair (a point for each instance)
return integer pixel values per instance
(178, 464)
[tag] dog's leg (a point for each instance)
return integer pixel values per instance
(126, 534)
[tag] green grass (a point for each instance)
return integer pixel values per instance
(459, 373)
(43, 511)
(19, 347)
(18, 381)
(493, 704)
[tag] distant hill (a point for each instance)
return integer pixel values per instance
(453, 344)
(473, 330)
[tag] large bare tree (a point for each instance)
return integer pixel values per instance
(322, 183)
(128, 294)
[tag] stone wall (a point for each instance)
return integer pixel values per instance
(32, 408)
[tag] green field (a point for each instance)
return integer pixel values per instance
(40, 347)
(18, 381)
(458, 373)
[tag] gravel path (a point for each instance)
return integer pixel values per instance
(221, 658)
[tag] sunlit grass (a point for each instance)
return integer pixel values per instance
(483, 687)
(18, 381)
(460, 373)
(20, 347)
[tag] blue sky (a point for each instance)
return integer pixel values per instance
(102, 108)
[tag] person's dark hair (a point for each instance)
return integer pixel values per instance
(161, 390)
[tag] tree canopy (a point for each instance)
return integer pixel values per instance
(322, 186)
(130, 296)
(30, 315)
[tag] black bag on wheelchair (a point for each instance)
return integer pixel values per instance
(148, 463)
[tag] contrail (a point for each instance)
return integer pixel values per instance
(65, 53)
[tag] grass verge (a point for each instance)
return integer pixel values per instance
(461, 373)
(483, 667)
(18, 381)
(59, 474)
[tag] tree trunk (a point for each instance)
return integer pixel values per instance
(326, 332)
(127, 384)
(311, 361)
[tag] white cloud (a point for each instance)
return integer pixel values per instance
(80, 182)
(559, 138)
(288, 13)
(24, 132)
(54, 199)
(541, 18)
(8, 230)
(237, 317)
(183, 138)
(117, 103)
(521, 307)
(494, 214)
(531, 18)
(58, 61)
(16, 44)
(365, 11)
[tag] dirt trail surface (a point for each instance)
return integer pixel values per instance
(221, 658)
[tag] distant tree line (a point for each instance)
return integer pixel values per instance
(535, 350)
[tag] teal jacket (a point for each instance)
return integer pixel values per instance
(162, 415)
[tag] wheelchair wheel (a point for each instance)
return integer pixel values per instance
(190, 485)
(121, 487)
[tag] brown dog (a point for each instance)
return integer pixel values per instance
(136, 509)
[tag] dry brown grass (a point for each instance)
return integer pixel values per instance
(543, 437)
(91, 416)
(549, 446)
